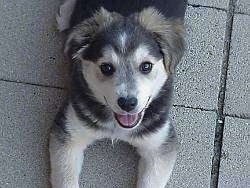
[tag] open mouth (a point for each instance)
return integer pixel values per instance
(128, 120)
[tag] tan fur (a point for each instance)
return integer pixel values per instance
(168, 32)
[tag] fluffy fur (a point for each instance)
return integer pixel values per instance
(125, 37)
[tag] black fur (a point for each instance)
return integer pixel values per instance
(169, 8)
(136, 34)
(80, 94)
(158, 111)
(170, 142)
(59, 128)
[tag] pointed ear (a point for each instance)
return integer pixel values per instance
(169, 34)
(83, 33)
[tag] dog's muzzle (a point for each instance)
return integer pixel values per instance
(129, 120)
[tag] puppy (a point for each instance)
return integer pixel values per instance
(123, 56)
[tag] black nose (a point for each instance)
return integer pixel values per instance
(127, 104)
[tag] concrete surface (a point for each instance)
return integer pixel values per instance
(210, 3)
(30, 54)
(198, 75)
(195, 130)
(238, 88)
(29, 45)
(109, 166)
(235, 165)
(243, 6)
(26, 113)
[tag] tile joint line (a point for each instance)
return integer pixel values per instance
(32, 84)
(218, 139)
(211, 110)
(206, 6)
(194, 108)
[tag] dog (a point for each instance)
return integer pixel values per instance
(123, 55)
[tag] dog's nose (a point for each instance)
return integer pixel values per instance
(128, 103)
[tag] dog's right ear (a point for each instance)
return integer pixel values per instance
(83, 33)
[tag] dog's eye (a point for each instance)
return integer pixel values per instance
(146, 67)
(107, 69)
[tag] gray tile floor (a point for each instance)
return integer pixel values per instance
(235, 164)
(33, 75)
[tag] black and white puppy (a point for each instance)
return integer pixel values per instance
(123, 56)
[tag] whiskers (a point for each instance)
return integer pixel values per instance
(113, 142)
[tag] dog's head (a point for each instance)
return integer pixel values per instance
(126, 60)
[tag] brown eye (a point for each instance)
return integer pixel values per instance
(146, 67)
(107, 69)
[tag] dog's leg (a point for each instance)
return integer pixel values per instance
(67, 144)
(66, 163)
(158, 155)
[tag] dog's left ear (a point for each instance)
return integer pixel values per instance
(169, 34)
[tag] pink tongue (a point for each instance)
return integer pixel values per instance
(128, 119)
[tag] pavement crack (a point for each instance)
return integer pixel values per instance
(242, 13)
(218, 139)
(206, 6)
(32, 84)
(241, 116)
(194, 108)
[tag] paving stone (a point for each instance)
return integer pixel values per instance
(235, 165)
(30, 47)
(26, 113)
(109, 166)
(196, 137)
(238, 89)
(243, 6)
(198, 75)
(211, 3)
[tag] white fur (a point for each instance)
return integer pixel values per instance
(148, 85)
(155, 169)
(66, 163)
(66, 159)
(151, 85)
(123, 38)
(155, 166)
(141, 54)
